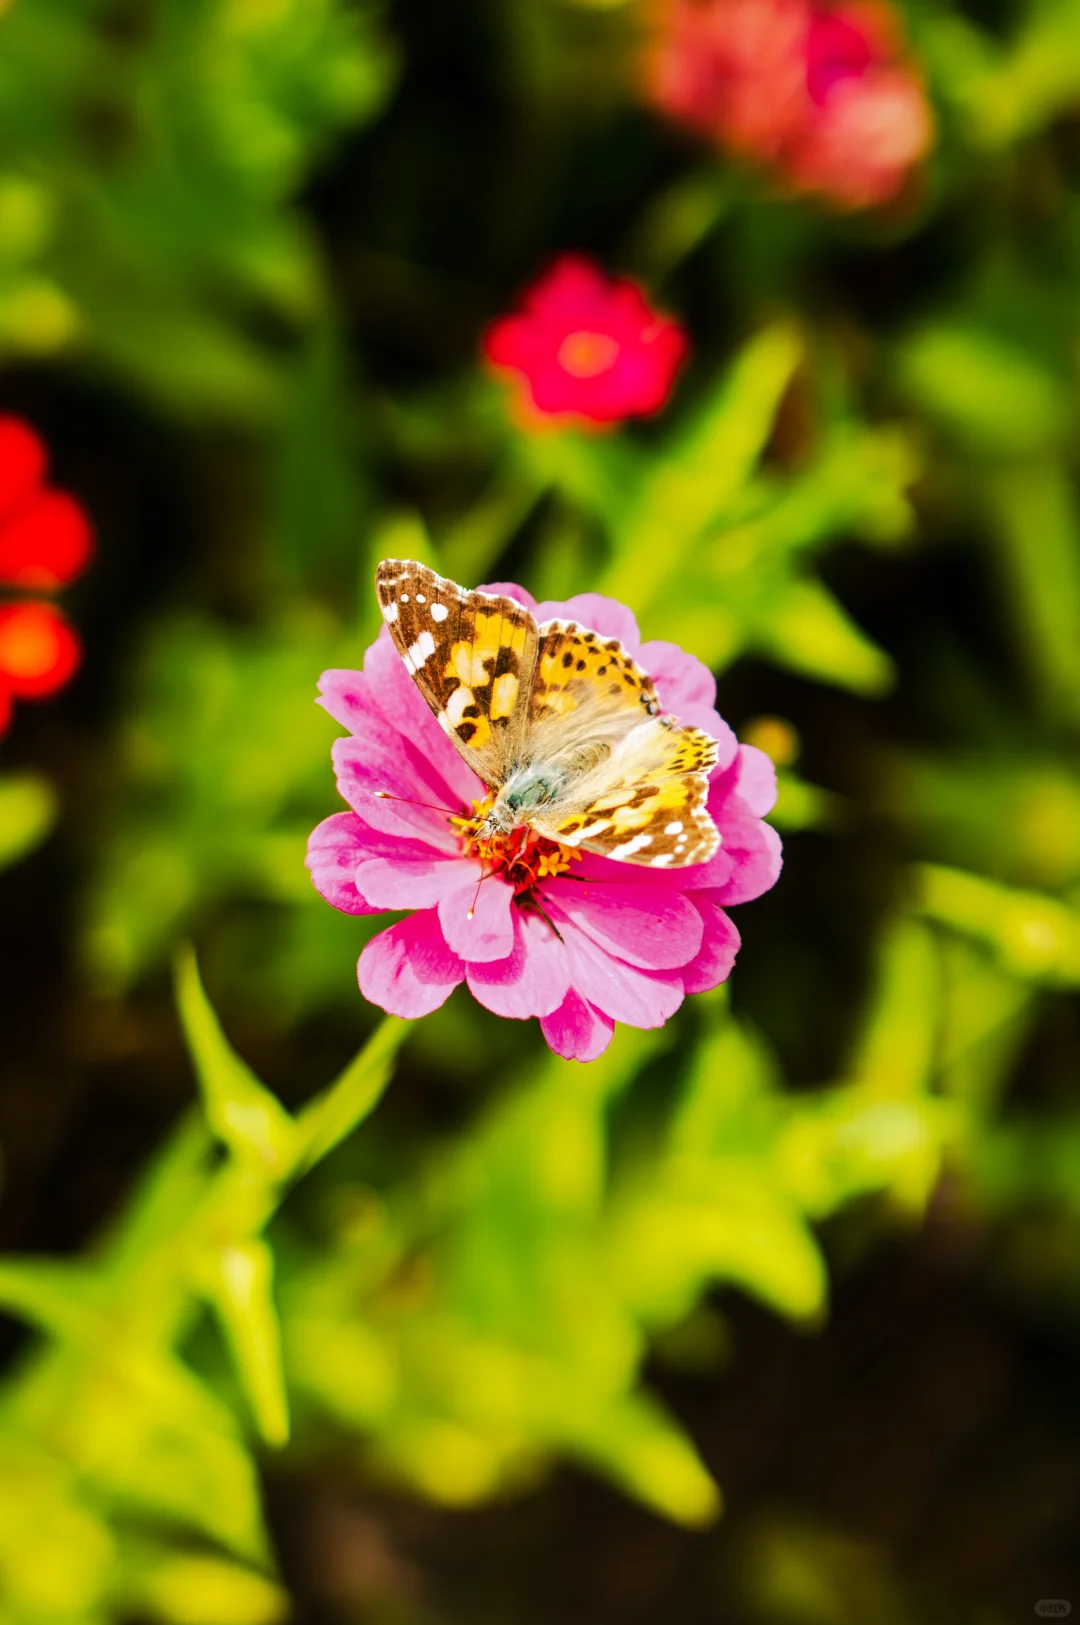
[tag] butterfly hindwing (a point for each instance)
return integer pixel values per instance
(472, 656)
(646, 803)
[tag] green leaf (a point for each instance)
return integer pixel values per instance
(1034, 937)
(331, 1116)
(192, 1589)
(635, 1442)
(240, 1286)
(994, 396)
(27, 814)
(65, 1300)
(244, 1114)
(1033, 509)
(687, 490)
(895, 1049)
(809, 632)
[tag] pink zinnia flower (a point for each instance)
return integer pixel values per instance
(586, 348)
(821, 94)
(577, 940)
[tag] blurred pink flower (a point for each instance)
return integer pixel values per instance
(618, 943)
(586, 348)
(823, 95)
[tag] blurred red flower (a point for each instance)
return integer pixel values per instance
(586, 348)
(45, 537)
(822, 94)
(39, 651)
(45, 542)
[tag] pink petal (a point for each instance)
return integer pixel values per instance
(756, 783)
(509, 589)
(574, 290)
(335, 850)
(435, 758)
(749, 859)
(653, 926)
(509, 342)
(598, 614)
(680, 678)
(533, 980)
(577, 1030)
(754, 850)
(348, 698)
(408, 970)
(363, 768)
(490, 932)
(717, 872)
(640, 998)
(719, 945)
(419, 879)
(592, 866)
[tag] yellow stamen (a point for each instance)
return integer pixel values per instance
(521, 857)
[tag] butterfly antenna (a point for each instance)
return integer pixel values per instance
(384, 795)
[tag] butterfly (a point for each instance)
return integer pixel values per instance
(556, 719)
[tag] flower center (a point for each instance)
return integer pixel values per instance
(587, 355)
(522, 857)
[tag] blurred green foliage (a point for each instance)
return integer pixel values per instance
(152, 149)
(860, 510)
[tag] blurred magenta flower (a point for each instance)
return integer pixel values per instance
(45, 542)
(577, 940)
(823, 95)
(586, 348)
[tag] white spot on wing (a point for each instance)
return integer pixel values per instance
(597, 827)
(390, 613)
(628, 848)
(459, 699)
(420, 599)
(404, 598)
(439, 612)
(673, 829)
(420, 651)
(662, 861)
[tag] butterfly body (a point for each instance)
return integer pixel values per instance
(557, 719)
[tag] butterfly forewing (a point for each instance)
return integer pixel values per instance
(472, 656)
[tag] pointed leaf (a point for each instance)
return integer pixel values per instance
(27, 814)
(808, 631)
(331, 1116)
(240, 1110)
(241, 1289)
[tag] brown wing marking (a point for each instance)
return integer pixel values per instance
(471, 654)
(576, 667)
